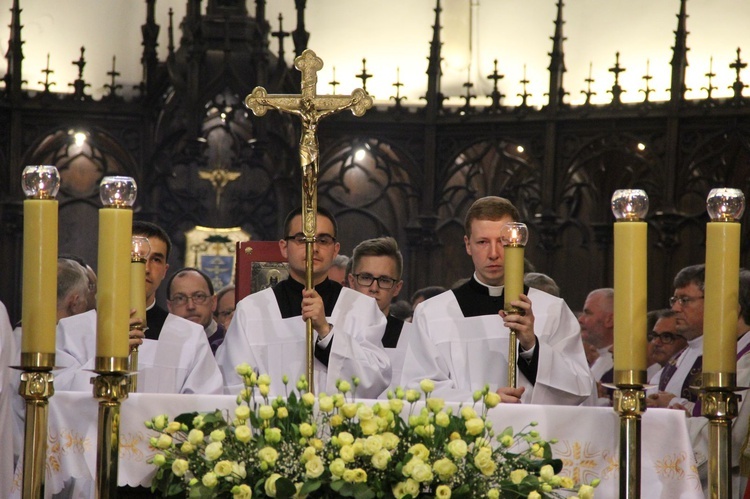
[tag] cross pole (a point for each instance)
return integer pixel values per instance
(311, 108)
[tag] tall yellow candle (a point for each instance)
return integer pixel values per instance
(721, 297)
(630, 307)
(513, 274)
(39, 311)
(138, 289)
(113, 292)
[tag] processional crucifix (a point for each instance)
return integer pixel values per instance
(311, 108)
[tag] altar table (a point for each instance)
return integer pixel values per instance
(587, 442)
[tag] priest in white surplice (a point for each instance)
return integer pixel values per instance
(461, 336)
(268, 328)
(180, 361)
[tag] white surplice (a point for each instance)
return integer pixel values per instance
(603, 363)
(397, 356)
(698, 428)
(179, 362)
(684, 363)
(260, 337)
(462, 354)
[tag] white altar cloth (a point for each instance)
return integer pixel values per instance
(588, 442)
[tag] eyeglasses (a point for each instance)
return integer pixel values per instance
(683, 300)
(384, 282)
(665, 338)
(322, 239)
(198, 298)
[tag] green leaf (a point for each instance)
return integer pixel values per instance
(285, 488)
(310, 486)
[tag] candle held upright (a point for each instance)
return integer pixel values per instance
(40, 184)
(514, 236)
(113, 295)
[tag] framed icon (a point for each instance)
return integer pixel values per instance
(259, 265)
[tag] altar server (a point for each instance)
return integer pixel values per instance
(268, 328)
(180, 361)
(377, 265)
(461, 336)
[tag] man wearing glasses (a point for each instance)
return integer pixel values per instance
(460, 338)
(268, 328)
(663, 340)
(377, 265)
(674, 380)
(190, 295)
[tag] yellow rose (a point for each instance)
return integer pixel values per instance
(314, 467)
(546, 473)
(187, 448)
(214, 450)
(586, 492)
(422, 473)
(243, 433)
(270, 485)
(435, 404)
(349, 410)
(349, 476)
(517, 476)
(474, 426)
(209, 480)
(308, 454)
(398, 490)
(344, 386)
(308, 399)
(347, 453)
(390, 440)
(345, 438)
(420, 451)
(336, 420)
(468, 412)
(427, 385)
(268, 455)
(317, 443)
(272, 435)
(164, 441)
(195, 437)
(411, 487)
(242, 412)
(396, 405)
(266, 412)
(412, 396)
(180, 467)
(506, 441)
(282, 412)
(445, 468)
(306, 430)
(373, 444)
(160, 421)
(381, 459)
(239, 469)
(159, 459)
(243, 369)
(483, 457)
(217, 436)
(491, 399)
(364, 412)
(566, 482)
(493, 494)
(326, 404)
(337, 467)
(173, 427)
(223, 468)
(242, 492)
(360, 475)
(264, 379)
(369, 426)
(442, 419)
(534, 495)
(443, 492)
(458, 448)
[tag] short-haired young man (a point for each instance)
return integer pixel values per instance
(377, 266)
(268, 329)
(156, 271)
(461, 336)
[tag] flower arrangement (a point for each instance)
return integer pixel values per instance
(302, 446)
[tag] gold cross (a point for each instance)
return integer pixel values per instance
(311, 108)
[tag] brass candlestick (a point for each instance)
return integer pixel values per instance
(36, 388)
(719, 404)
(311, 108)
(110, 388)
(629, 402)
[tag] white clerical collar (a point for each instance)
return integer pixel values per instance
(493, 290)
(151, 306)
